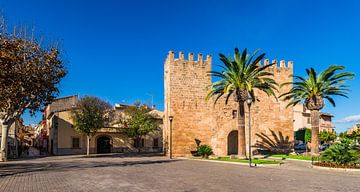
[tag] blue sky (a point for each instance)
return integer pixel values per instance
(116, 49)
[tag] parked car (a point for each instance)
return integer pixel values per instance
(323, 147)
(301, 146)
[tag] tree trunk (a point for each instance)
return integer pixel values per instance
(138, 144)
(315, 132)
(88, 145)
(4, 146)
(241, 130)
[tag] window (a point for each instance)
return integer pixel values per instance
(308, 120)
(75, 142)
(156, 142)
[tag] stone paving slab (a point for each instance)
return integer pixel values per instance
(121, 173)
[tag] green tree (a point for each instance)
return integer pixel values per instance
(327, 136)
(307, 137)
(89, 115)
(239, 76)
(303, 134)
(355, 135)
(138, 122)
(343, 135)
(313, 90)
(300, 134)
(29, 76)
(308, 134)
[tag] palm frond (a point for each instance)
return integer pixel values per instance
(241, 72)
(324, 85)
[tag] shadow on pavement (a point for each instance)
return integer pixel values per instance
(121, 155)
(19, 168)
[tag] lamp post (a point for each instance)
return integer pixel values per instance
(171, 120)
(249, 101)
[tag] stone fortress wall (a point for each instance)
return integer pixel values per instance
(186, 85)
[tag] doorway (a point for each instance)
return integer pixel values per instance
(103, 144)
(233, 143)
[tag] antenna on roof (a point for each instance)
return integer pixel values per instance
(152, 98)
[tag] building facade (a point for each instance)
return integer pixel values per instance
(63, 139)
(353, 128)
(302, 119)
(196, 121)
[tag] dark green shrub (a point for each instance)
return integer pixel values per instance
(204, 151)
(345, 152)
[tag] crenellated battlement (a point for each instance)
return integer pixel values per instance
(190, 57)
(208, 59)
(282, 64)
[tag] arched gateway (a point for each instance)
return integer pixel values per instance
(232, 143)
(103, 144)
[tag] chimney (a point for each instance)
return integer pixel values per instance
(153, 107)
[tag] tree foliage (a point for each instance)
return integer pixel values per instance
(138, 122)
(303, 134)
(313, 89)
(343, 135)
(29, 77)
(307, 135)
(355, 135)
(90, 114)
(240, 75)
(300, 134)
(316, 87)
(327, 136)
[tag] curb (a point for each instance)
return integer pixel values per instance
(335, 169)
(289, 159)
(234, 163)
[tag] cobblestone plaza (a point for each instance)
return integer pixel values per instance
(156, 173)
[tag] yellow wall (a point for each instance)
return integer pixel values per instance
(66, 132)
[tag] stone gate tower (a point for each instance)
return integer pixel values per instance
(195, 120)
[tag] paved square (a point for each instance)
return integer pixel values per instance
(121, 173)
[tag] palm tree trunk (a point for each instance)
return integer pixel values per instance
(315, 131)
(241, 130)
(4, 146)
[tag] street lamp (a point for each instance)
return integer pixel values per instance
(249, 101)
(171, 120)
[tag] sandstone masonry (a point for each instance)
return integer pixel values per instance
(186, 85)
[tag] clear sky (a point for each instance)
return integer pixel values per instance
(116, 49)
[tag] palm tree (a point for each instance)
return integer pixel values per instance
(313, 90)
(239, 77)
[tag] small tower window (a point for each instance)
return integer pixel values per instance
(234, 114)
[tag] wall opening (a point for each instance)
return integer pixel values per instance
(233, 143)
(103, 144)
